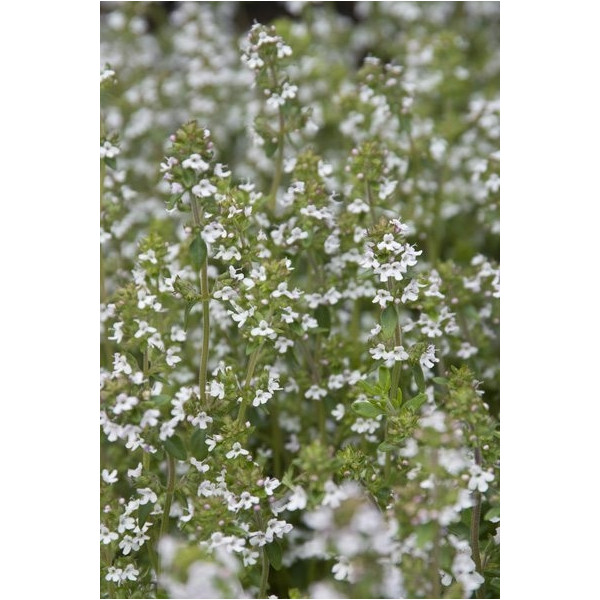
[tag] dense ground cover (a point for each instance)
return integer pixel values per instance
(300, 301)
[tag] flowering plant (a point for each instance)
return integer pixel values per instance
(300, 302)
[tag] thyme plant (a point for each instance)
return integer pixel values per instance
(300, 302)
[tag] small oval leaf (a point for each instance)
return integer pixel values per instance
(198, 252)
(274, 554)
(366, 409)
(143, 512)
(198, 447)
(389, 319)
(419, 378)
(415, 403)
(174, 446)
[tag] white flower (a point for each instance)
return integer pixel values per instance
(342, 570)
(379, 352)
(201, 420)
(315, 392)
(107, 150)
(143, 329)
(387, 188)
(221, 171)
(263, 329)
(111, 477)
(398, 354)
(338, 412)
(135, 473)
(147, 496)
(195, 163)
(107, 536)
(204, 189)
(277, 528)
(411, 292)
(428, 357)
(365, 425)
(289, 91)
(236, 450)
(333, 495)
(120, 365)
(114, 574)
(149, 418)
(358, 206)
(282, 344)
(388, 243)
(466, 350)
(382, 297)
(178, 334)
(117, 332)
(479, 478)
(217, 389)
(261, 397)
(298, 499)
(130, 572)
(271, 484)
(199, 465)
(171, 358)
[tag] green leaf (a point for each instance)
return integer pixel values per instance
(110, 162)
(419, 378)
(385, 379)
(493, 513)
(366, 409)
(386, 447)
(323, 316)
(397, 402)
(250, 348)
(198, 252)
(270, 147)
(189, 178)
(274, 554)
(440, 380)
(143, 511)
(160, 400)
(415, 403)
(198, 447)
(389, 319)
(174, 446)
(367, 388)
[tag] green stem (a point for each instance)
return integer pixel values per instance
(264, 576)
(370, 202)
(278, 163)
(280, 140)
(276, 439)
(205, 332)
(475, 519)
(204, 293)
(164, 526)
(153, 559)
(249, 372)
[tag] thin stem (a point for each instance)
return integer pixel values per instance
(196, 214)
(164, 526)
(205, 332)
(264, 576)
(475, 519)
(280, 145)
(278, 163)
(249, 372)
(370, 202)
(276, 439)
